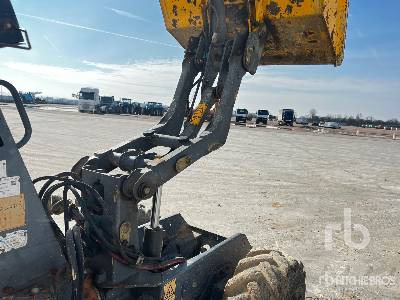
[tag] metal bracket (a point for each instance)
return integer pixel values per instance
(25, 45)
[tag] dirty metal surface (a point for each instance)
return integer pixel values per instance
(301, 31)
(25, 231)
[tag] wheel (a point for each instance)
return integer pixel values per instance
(267, 275)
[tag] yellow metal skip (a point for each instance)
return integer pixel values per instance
(301, 31)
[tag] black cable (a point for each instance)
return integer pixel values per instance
(73, 263)
(66, 208)
(80, 258)
(126, 255)
(50, 180)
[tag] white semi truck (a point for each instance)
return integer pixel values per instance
(88, 99)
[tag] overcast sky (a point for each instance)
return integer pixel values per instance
(122, 47)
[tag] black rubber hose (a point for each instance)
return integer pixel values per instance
(51, 179)
(66, 208)
(74, 183)
(80, 258)
(73, 263)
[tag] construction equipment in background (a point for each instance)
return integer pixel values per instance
(126, 106)
(105, 103)
(29, 97)
(153, 109)
(286, 117)
(136, 108)
(103, 252)
(262, 116)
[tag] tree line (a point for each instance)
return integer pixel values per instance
(357, 120)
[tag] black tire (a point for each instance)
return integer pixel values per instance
(267, 275)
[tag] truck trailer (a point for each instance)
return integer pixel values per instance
(286, 117)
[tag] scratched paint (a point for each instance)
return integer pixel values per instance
(3, 169)
(198, 114)
(297, 31)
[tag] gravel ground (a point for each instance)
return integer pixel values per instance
(283, 189)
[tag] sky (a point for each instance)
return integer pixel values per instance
(122, 47)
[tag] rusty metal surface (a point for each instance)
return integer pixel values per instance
(301, 31)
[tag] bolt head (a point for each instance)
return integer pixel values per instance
(146, 190)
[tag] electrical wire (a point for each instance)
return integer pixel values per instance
(70, 182)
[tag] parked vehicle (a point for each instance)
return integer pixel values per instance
(262, 116)
(302, 121)
(332, 125)
(105, 103)
(40, 101)
(29, 97)
(153, 109)
(137, 108)
(126, 106)
(286, 117)
(115, 108)
(88, 99)
(241, 115)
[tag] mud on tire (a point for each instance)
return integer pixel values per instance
(267, 275)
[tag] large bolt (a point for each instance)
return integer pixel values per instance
(182, 163)
(125, 232)
(146, 190)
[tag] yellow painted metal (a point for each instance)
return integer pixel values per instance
(301, 31)
(170, 290)
(276, 9)
(335, 14)
(198, 114)
(183, 18)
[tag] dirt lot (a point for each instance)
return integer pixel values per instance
(284, 189)
(346, 130)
